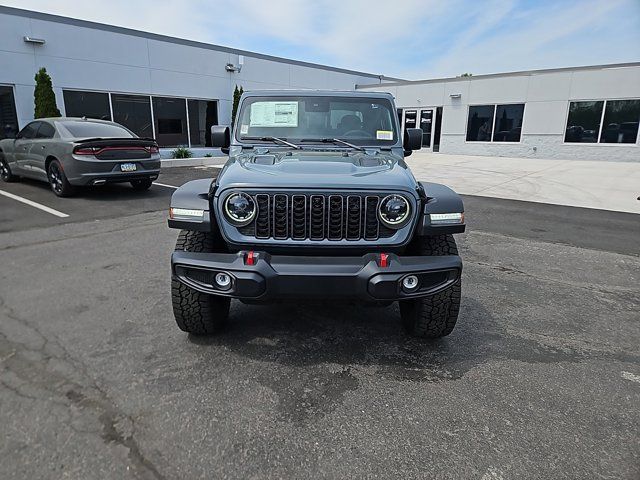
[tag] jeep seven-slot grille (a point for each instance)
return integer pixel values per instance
(317, 217)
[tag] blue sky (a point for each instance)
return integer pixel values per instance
(411, 39)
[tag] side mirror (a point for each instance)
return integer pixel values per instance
(412, 139)
(220, 136)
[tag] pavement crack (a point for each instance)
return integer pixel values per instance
(589, 288)
(26, 371)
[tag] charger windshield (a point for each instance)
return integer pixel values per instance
(361, 121)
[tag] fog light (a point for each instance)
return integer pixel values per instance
(223, 280)
(410, 283)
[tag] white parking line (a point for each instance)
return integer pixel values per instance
(207, 167)
(493, 473)
(164, 185)
(26, 201)
(631, 377)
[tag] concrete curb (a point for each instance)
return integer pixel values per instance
(193, 162)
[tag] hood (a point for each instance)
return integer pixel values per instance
(317, 169)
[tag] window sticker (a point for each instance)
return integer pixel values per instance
(384, 135)
(274, 114)
(244, 129)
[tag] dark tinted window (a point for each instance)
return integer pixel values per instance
(621, 119)
(508, 125)
(583, 122)
(30, 130)
(202, 115)
(8, 117)
(80, 129)
(134, 112)
(46, 130)
(480, 123)
(171, 121)
(86, 104)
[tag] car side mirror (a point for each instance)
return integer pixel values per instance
(412, 140)
(220, 136)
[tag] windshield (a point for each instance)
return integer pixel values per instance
(84, 129)
(297, 119)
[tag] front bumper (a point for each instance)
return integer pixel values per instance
(283, 277)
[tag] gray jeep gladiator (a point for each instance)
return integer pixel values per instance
(316, 202)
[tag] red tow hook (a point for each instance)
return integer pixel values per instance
(384, 260)
(250, 258)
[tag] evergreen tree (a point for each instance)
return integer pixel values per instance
(237, 93)
(44, 97)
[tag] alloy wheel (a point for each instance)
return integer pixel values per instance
(55, 178)
(4, 171)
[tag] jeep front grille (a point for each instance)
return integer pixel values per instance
(317, 217)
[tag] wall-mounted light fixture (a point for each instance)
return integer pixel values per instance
(230, 67)
(455, 95)
(35, 41)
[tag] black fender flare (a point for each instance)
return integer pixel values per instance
(193, 195)
(438, 198)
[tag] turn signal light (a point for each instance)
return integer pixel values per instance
(152, 149)
(446, 218)
(186, 214)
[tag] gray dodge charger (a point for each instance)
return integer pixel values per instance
(70, 152)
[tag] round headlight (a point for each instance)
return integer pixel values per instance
(394, 211)
(240, 209)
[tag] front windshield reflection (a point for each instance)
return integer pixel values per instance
(359, 121)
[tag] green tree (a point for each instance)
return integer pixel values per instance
(237, 93)
(43, 97)
(466, 74)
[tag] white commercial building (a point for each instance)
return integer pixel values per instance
(174, 90)
(158, 86)
(587, 113)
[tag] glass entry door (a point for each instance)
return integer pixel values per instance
(426, 124)
(420, 118)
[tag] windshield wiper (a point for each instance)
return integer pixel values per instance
(333, 140)
(281, 141)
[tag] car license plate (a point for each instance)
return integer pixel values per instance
(128, 167)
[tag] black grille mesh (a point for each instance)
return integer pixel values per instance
(317, 217)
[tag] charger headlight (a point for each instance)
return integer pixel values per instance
(394, 211)
(239, 208)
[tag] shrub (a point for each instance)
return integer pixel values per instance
(208, 155)
(43, 96)
(181, 152)
(237, 93)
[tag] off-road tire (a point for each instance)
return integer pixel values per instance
(195, 312)
(142, 184)
(434, 316)
(5, 172)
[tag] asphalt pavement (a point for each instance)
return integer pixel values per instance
(540, 379)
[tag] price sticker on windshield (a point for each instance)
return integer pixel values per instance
(384, 135)
(274, 114)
